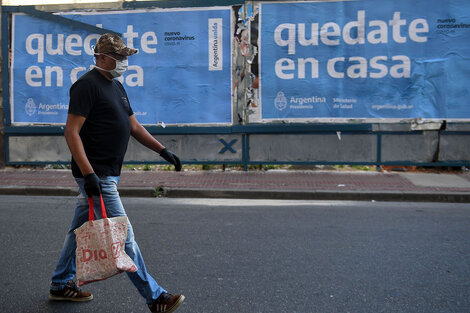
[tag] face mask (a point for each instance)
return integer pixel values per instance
(121, 67)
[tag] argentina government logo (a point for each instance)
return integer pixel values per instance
(281, 101)
(30, 107)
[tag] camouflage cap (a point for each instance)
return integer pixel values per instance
(112, 43)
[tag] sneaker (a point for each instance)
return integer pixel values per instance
(71, 292)
(166, 303)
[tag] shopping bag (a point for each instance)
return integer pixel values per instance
(100, 247)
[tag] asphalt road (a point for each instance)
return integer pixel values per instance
(232, 256)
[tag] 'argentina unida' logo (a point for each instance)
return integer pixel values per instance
(215, 44)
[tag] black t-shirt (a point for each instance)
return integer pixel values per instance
(106, 131)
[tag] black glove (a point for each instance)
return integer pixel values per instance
(172, 158)
(92, 185)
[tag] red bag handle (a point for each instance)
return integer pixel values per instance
(91, 212)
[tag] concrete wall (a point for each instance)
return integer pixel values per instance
(410, 148)
(190, 148)
(2, 120)
(315, 148)
(195, 148)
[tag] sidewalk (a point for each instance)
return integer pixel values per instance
(315, 185)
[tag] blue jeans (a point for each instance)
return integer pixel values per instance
(65, 270)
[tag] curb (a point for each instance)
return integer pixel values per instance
(455, 197)
(38, 191)
(138, 192)
(150, 192)
(72, 191)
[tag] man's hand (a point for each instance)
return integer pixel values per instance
(172, 158)
(92, 185)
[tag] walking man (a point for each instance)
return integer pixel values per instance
(99, 124)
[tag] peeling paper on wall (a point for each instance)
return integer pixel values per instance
(338, 134)
(246, 84)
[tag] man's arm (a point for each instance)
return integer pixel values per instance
(72, 136)
(143, 136)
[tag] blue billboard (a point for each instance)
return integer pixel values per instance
(365, 60)
(181, 75)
